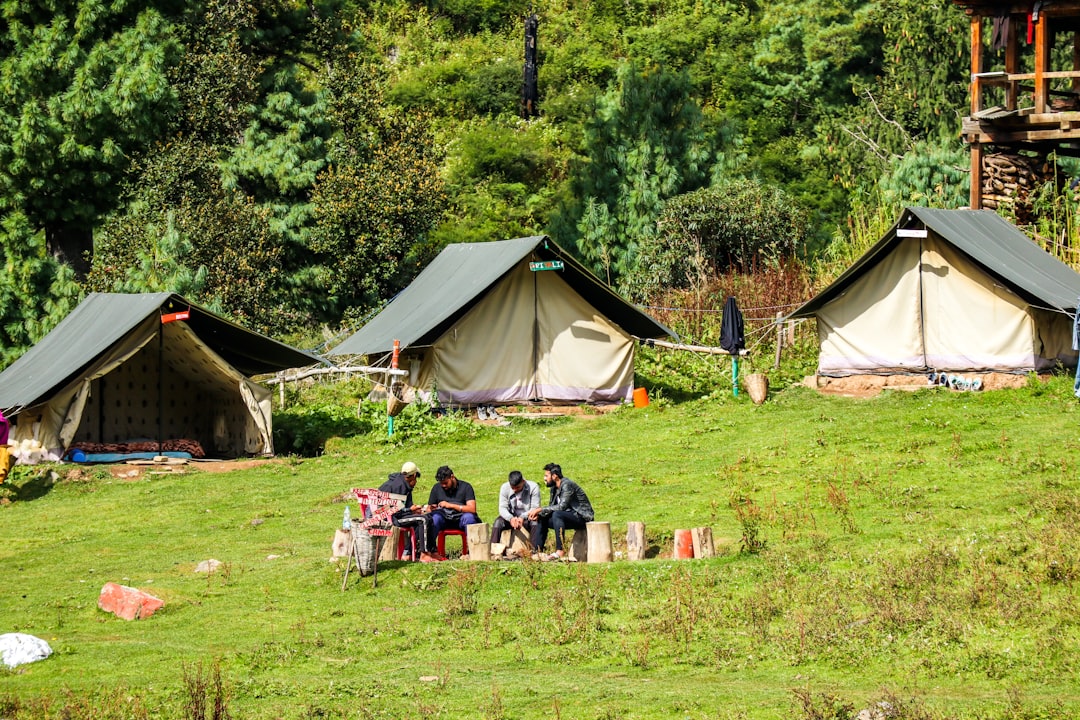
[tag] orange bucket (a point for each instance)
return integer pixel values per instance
(641, 397)
(684, 545)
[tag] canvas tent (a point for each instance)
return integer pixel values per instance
(123, 367)
(482, 324)
(947, 290)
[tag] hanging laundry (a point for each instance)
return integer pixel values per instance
(731, 327)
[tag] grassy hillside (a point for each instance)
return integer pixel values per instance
(919, 548)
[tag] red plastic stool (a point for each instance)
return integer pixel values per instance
(441, 541)
(401, 547)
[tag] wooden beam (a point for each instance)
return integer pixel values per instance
(292, 376)
(1012, 137)
(692, 348)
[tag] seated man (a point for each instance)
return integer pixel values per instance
(517, 497)
(452, 501)
(569, 508)
(413, 516)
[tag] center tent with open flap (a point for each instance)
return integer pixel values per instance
(146, 367)
(947, 290)
(509, 321)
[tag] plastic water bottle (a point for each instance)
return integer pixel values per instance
(346, 522)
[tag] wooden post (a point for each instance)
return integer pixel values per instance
(779, 339)
(703, 542)
(635, 540)
(1075, 83)
(1042, 62)
(1012, 64)
(479, 538)
(599, 542)
(975, 192)
(579, 546)
(976, 64)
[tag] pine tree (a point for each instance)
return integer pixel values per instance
(35, 291)
(83, 87)
(645, 144)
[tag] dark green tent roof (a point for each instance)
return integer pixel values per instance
(104, 318)
(461, 275)
(989, 240)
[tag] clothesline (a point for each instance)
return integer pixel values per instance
(710, 310)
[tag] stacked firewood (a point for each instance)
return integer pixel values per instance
(1009, 179)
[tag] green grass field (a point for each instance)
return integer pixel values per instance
(916, 548)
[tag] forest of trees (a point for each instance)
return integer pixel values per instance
(294, 164)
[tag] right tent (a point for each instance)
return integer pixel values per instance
(948, 290)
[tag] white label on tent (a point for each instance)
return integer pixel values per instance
(910, 232)
(546, 265)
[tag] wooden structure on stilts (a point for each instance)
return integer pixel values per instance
(1023, 108)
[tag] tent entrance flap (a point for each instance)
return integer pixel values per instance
(181, 391)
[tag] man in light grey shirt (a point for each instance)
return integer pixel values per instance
(517, 497)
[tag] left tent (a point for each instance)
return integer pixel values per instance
(126, 368)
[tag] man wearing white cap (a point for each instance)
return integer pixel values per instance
(416, 517)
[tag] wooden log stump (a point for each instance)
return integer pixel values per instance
(515, 541)
(635, 540)
(703, 542)
(478, 536)
(599, 542)
(342, 546)
(684, 545)
(579, 546)
(388, 544)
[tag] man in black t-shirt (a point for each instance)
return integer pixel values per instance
(453, 502)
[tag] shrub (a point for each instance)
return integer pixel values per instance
(304, 430)
(736, 226)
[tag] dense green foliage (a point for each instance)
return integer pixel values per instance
(730, 227)
(296, 163)
(917, 548)
(82, 87)
(35, 291)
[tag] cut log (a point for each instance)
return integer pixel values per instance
(579, 547)
(703, 542)
(342, 544)
(635, 540)
(479, 538)
(388, 544)
(514, 541)
(599, 542)
(684, 545)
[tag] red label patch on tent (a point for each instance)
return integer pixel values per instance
(172, 317)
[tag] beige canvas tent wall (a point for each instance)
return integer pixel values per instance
(123, 368)
(947, 290)
(480, 326)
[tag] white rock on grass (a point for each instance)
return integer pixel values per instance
(208, 566)
(20, 648)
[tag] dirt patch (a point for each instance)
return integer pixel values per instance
(126, 471)
(539, 412)
(872, 385)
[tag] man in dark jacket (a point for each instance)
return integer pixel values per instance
(569, 508)
(416, 517)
